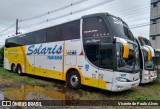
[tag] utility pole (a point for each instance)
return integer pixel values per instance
(16, 26)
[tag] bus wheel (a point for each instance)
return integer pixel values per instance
(19, 70)
(74, 80)
(13, 68)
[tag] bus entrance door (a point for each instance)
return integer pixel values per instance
(106, 56)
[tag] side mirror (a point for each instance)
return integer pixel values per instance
(125, 51)
(149, 55)
(147, 52)
(125, 54)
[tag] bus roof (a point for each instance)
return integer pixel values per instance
(99, 14)
(85, 16)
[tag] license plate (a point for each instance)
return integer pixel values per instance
(133, 85)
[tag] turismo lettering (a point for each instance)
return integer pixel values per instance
(54, 57)
(44, 50)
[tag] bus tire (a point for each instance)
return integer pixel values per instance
(19, 70)
(13, 68)
(74, 80)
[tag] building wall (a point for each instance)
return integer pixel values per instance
(155, 24)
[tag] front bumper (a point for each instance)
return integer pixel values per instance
(121, 86)
(153, 76)
(146, 78)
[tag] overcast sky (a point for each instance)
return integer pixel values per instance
(133, 12)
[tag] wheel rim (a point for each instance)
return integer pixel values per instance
(74, 80)
(19, 70)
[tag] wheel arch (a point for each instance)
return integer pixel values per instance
(13, 64)
(11, 67)
(22, 67)
(71, 69)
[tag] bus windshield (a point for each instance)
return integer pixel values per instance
(131, 64)
(120, 28)
(144, 41)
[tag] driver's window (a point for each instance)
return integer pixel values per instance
(92, 53)
(100, 55)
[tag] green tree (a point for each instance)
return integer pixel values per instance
(1, 56)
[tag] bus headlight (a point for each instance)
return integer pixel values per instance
(121, 79)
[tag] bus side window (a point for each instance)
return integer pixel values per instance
(40, 36)
(54, 34)
(71, 30)
(30, 38)
(94, 26)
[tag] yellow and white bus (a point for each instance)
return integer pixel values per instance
(149, 72)
(96, 50)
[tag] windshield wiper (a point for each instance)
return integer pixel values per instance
(125, 68)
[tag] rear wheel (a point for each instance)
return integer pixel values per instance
(13, 68)
(19, 70)
(74, 80)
